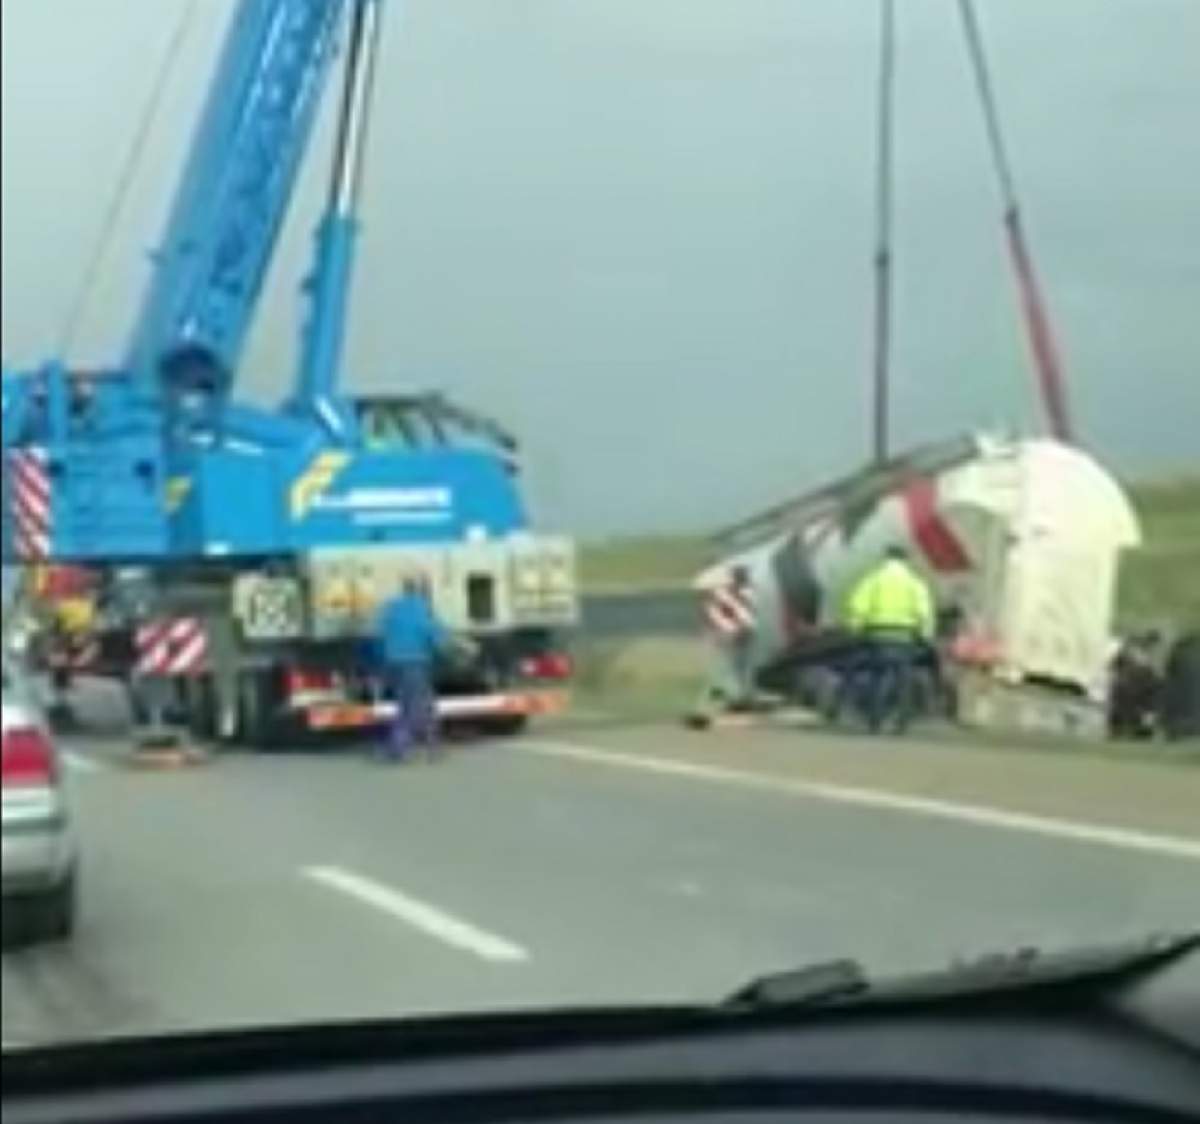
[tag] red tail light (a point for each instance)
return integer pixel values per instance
(553, 665)
(27, 760)
(302, 681)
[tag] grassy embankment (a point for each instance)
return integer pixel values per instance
(1160, 583)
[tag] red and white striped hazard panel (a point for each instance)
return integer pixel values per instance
(177, 646)
(29, 481)
(730, 611)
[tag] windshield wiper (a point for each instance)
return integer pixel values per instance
(844, 983)
(811, 986)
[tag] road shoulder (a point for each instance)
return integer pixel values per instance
(1130, 794)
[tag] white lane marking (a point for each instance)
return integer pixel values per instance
(78, 763)
(978, 814)
(430, 920)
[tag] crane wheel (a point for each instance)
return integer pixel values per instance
(257, 727)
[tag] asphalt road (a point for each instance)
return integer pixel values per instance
(582, 866)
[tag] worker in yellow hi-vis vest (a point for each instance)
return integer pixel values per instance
(892, 610)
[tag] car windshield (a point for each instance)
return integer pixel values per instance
(515, 504)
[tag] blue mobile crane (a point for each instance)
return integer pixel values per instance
(245, 551)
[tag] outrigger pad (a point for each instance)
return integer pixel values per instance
(148, 741)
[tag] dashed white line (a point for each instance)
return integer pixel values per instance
(420, 915)
(980, 815)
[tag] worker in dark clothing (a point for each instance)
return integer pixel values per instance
(411, 637)
(892, 610)
(1134, 696)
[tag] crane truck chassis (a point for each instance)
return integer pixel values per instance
(256, 656)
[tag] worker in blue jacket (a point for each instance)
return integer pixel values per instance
(410, 639)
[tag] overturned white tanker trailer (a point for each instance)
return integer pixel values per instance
(1020, 540)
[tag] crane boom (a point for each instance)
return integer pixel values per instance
(234, 192)
(329, 287)
(1052, 383)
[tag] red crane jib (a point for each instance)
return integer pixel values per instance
(1052, 382)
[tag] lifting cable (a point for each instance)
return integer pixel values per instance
(883, 232)
(133, 159)
(1037, 321)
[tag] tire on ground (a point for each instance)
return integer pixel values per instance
(56, 920)
(45, 916)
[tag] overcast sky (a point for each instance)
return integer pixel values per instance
(639, 230)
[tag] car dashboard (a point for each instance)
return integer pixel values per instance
(1067, 1051)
